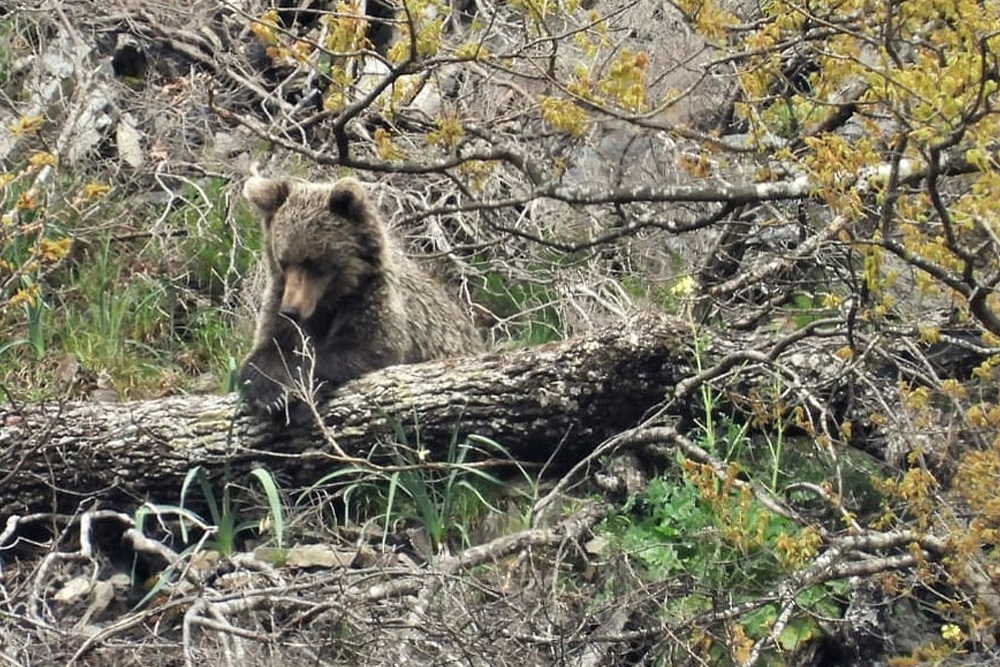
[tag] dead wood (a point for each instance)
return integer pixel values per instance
(555, 402)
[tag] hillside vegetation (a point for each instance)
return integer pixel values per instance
(803, 195)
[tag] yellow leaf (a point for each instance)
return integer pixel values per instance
(265, 27)
(42, 159)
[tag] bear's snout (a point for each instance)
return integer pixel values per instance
(301, 295)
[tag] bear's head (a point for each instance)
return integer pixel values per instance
(323, 240)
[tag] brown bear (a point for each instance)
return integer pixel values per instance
(340, 297)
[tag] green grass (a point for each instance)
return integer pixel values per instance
(217, 245)
(443, 499)
(224, 512)
(8, 35)
(145, 313)
(525, 308)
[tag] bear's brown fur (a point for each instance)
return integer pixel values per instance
(339, 295)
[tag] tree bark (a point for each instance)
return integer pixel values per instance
(555, 402)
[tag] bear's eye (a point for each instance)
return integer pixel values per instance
(312, 267)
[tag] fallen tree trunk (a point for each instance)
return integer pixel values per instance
(551, 402)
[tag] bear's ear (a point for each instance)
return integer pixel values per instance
(267, 194)
(347, 200)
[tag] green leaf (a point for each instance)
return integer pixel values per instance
(266, 480)
(797, 632)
